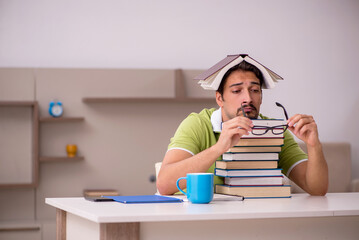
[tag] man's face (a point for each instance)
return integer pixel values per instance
(241, 88)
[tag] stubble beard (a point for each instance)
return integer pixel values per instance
(252, 115)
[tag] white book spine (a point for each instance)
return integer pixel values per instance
(250, 156)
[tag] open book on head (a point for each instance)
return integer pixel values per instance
(211, 79)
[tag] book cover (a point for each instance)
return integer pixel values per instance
(255, 191)
(144, 199)
(247, 149)
(100, 192)
(212, 78)
(260, 142)
(217, 67)
(250, 156)
(248, 172)
(253, 181)
(240, 164)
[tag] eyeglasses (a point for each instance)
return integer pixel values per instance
(276, 130)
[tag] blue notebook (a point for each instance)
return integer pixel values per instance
(144, 199)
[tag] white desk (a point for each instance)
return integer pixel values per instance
(335, 216)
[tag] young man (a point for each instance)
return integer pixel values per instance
(197, 143)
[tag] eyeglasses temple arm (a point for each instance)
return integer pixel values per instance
(285, 112)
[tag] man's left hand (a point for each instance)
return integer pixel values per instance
(304, 127)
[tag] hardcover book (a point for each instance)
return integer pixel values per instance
(250, 156)
(248, 149)
(238, 164)
(212, 78)
(260, 142)
(99, 192)
(256, 181)
(248, 172)
(255, 191)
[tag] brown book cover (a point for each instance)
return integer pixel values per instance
(218, 66)
(100, 192)
(253, 164)
(260, 142)
(247, 149)
(255, 191)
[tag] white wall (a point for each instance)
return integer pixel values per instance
(312, 44)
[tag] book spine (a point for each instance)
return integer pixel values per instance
(249, 156)
(267, 172)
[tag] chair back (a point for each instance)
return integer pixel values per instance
(338, 157)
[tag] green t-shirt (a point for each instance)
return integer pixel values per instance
(196, 134)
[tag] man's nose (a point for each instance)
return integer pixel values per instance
(247, 96)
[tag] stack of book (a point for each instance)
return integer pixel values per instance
(250, 168)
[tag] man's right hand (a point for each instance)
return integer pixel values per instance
(232, 131)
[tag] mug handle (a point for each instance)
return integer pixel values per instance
(178, 185)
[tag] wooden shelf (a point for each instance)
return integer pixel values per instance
(61, 119)
(11, 226)
(17, 103)
(61, 159)
(180, 95)
(142, 100)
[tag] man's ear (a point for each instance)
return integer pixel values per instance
(219, 99)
